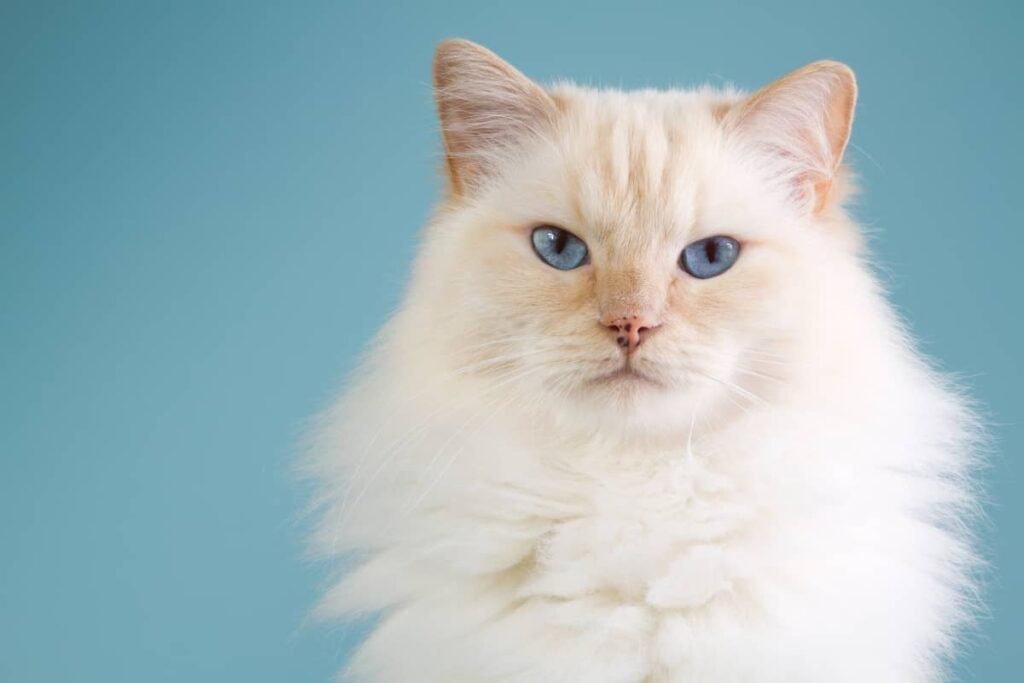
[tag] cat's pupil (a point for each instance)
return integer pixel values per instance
(711, 250)
(561, 239)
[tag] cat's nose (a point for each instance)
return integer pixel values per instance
(629, 331)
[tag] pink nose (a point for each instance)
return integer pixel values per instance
(630, 330)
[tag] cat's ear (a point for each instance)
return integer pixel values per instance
(801, 123)
(486, 107)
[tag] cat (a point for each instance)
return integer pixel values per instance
(645, 413)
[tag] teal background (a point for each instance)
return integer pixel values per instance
(206, 208)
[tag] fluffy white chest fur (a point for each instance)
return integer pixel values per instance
(609, 457)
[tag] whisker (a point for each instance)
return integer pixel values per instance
(451, 461)
(408, 437)
(761, 375)
(746, 393)
(395, 451)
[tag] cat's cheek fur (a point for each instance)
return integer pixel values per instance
(790, 505)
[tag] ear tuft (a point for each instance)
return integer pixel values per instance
(802, 124)
(486, 107)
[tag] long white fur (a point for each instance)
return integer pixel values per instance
(791, 504)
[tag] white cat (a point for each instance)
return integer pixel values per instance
(645, 414)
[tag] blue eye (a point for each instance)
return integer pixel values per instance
(559, 248)
(710, 256)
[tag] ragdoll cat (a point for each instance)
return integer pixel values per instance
(645, 414)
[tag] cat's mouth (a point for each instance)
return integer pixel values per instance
(626, 374)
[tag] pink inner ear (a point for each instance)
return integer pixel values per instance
(485, 105)
(802, 124)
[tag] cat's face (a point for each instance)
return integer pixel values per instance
(621, 255)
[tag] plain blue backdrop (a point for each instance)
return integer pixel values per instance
(206, 209)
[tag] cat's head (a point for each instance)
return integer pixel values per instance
(639, 256)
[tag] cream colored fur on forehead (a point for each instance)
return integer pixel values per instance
(634, 146)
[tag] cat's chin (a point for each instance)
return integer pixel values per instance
(629, 402)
